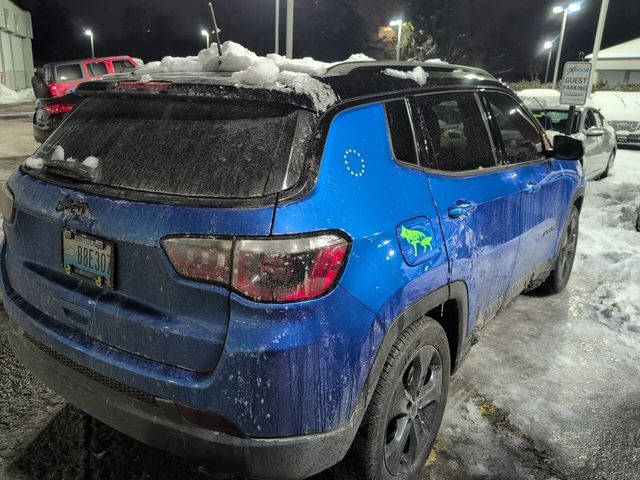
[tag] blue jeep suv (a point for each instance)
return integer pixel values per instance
(272, 289)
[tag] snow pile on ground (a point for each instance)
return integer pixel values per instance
(8, 96)
(249, 69)
(609, 246)
(418, 75)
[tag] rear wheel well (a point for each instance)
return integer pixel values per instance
(447, 315)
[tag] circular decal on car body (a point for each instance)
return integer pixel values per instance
(354, 162)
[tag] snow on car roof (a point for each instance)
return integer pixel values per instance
(322, 83)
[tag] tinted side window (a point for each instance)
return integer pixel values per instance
(98, 69)
(458, 137)
(120, 66)
(400, 131)
(522, 141)
(69, 73)
(591, 120)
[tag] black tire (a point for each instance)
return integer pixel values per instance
(559, 277)
(405, 412)
(612, 159)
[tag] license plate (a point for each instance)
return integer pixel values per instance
(89, 257)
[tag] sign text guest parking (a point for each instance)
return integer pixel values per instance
(575, 83)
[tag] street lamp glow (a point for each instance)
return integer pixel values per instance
(206, 35)
(548, 45)
(574, 7)
(397, 23)
(89, 34)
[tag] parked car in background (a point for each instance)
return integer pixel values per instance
(61, 77)
(627, 132)
(622, 110)
(589, 126)
(50, 112)
(269, 285)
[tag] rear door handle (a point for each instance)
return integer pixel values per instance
(461, 208)
(531, 188)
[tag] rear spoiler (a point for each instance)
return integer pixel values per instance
(220, 89)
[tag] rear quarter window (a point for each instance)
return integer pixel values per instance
(69, 72)
(400, 131)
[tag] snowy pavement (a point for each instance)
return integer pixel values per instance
(550, 391)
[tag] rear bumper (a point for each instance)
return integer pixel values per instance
(628, 140)
(158, 423)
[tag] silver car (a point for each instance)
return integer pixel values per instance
(589, 125)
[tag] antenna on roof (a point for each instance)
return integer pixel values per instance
(217, 32)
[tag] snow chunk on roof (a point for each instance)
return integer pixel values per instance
(320, 93)
(418, 75)
(251, 70)
(262, 73)
(359, 57)
(301, 65)
(172, 64)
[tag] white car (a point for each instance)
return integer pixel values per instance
(589, 126)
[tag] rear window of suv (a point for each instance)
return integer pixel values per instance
(215, 149)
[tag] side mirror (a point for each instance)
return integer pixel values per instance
(567, 148)
(595, 132)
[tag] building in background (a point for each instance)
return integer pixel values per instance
(619, 64)
(16, 55)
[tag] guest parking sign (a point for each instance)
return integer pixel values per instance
(575, 83)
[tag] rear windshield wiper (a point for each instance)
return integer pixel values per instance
(73, 170)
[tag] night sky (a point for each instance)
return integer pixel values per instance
(508, 34)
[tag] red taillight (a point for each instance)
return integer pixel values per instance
(54, 89)
(58, 108)
(204, 259)
(284, 269)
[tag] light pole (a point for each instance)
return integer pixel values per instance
(397, 23)
(548, 45)
(573, 7)
(206, 34)
(290, 12)
(277, 46)
(596, 46)
(89, 34)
